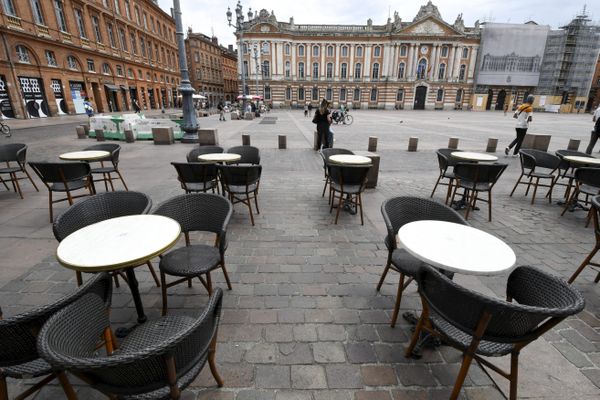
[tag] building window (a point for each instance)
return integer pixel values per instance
(60, 15)
(133, 43)
(375, 73)
(329, 51)
(301, 70)
(377, 51)
(111, 35)
(136, 10)
(38, 15)
(374, 94)
(117, 8)
(80, 23)
(127, 9)
(315, 93)
(265, 48)
(9, 7)
(315, 70)
(266, 69)
(145, 21)
(301, 50)
(342, 94)
(288, 93)
(23, 54)
(267, 93)
(440, 95)
(357, 94)
(357, 71)
(246, 69)
(400, 95)
(106, 69)
(459, 94)
(148, 77)
(441, 71)
(315, 51)
(329, 70)
(90, 65)
(329, 94)
(344, 71)
(461, 73)
(72, 63)
(287, 49)
(359, 51)
(51, 58)
(123, 39)
(119, 70)
(301, 93)
(421, 68)
(403, 51)
(198, 74)
(401, 68)
(96, 26)
(465, 52)
(344, 51)
(143, 46)
(287, 69)
(444, 51)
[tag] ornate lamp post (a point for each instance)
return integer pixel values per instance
(259, 67)
(239, 27)
(190, 124)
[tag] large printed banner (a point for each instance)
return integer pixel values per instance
(6, 110)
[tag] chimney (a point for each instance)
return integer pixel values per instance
(215, 40)
(230, 47)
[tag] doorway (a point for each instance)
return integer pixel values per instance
(97, 98)
(501, 100)
(488, 105)
(420, 96)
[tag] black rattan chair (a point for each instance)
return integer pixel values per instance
(240, 184)
(107, 170)
(192, 156)
(250, 154)
(157, 360)
(587, 182)
(595, 210)
(475, 178)
(197, 177)
(482, 326)
(346, 184)
(397, 212)
(325, 154)
(98, 208)
(566, 170)
(537, 164)
(19, 358)
(15, 157)
(198, 212)
(445, 161)
(64, 177)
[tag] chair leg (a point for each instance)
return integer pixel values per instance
(597, 278)
(584, 264)
(514, 375)
(337, 212)
(449, 192)
(359, 201)
(571, 199)
(516, 184)
(385, 271)
(325, 186)
(398, 300)
(79, 278)
(110, 182)
(116, 279)
(13, 176)
(189, 281)
(436, 185)
(105, 180)
(490, 205)
(163, 290)
(416, 334)
(212, 350)
(528, 186)
(470, 201)
(3, 389)
(535, 188)
(31, 180)
(256, 202)
(226, 276)
(153, 272)
(209, 283)
(249, 204)
(4, 183)
(50, 205)
(121, 178)
(462, 374)
(66, 385)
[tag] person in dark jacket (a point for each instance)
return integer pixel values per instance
(323, 120)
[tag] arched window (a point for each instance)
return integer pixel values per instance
(266, 48)
(329, 51)
(315, 93)
(401, 68)
(301, 50)
(72, 63)
(421, 68)
(288, 93)
(267, 93)
(403, 51)
(329, 70)
(246, 68)
(315, 51)
(357, 71)
(462, 72)
(315, 70)
(130, 73)
(106, 70)
(440, 95)
(376, 51)
(375, 73)
(329, 94)
(266, 69)
(22, 54)
(374, 94)
(441, 71)
(357, 94)
(444, 51)
(342, 94)
(301, 70)
(287, 49)
(344, 71)
(301, 93)
(244, 48)
(465, 52)
(359, 51)
(344, 51)
(400, 95)
(287, 69)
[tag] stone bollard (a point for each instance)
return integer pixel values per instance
(453, 143)
(245, 139)
(413, 142)
(80, 132)
(492, 144)
(574, 144)
(100, 135)
(372, 144)
(282, 142)
(86, 127)
(208, 137)
(129, 137)
(315, 141)
(163, 135)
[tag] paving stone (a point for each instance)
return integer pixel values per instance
(360, 353)
(418, 394)
(333, 395)
(343, 376)
(215, 395)
(378, 375)
(279, 333)
(305, 333)
(263, 353)
(293, 396)
(273, 377)
(415, 375)
(572, 354)
(331, 332)
(295, 353)
(325, 352)
(593, 375)
(308, 377)
(578, 341)
(372, 395)
(255, 395)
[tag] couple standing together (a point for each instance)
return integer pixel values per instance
(323, 120)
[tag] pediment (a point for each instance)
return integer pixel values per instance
(265, 28)
(429, 26)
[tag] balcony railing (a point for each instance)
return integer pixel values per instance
(14, 21)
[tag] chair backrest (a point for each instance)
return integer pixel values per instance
(198, 212)
(250, 154)
(401, 210)
(531, 159)
(479, 173)
(67, 342)
(588, 176)
(345, 175)
(445, 158)
(538, 297)
(98, 208)
(113, 148)
(192, 156)
(18, 333)
(596, 216)
(195, 172)
(240, 175)
(563, 153)
(13, 152)
(60, 172)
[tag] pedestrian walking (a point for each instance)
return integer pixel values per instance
(595, 131)
(305, 110)
(523, 116)
(221, 109)
(136, 106)
(88, 107)
(310, 107)
(323, 120)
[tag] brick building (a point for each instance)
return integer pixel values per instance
(55, 53)
(230, 73)
(594, 96)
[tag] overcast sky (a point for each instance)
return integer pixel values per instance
(209, 16)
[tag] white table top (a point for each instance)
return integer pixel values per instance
(349, 159)
(84, 155)
(457, 248)
(220, 157)
(472, 156)
(582, 160)
(117, 243)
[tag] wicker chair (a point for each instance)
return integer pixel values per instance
(106, 171)
(250, 154)
(198, 212)
(566, 170)
(192, 156)
(15, 153)
(476, 178)
(481, 326)
(64, 177)
(397, 212)
(595, 210)
(587, 182)
(325, 154)
(346, 184)
(196, 177)
(531, 163)
(157, 360)
(98, 208)
(19, 358)
(240, 184)
(445, 161)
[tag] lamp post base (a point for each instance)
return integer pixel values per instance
(190, 137)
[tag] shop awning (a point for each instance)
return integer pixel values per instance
(112, 88)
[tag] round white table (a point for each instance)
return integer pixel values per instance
(219, 157)
(84, 155)
(119, 243)
(473, 156)
(457, 248)
(582, 160)
(349, 159)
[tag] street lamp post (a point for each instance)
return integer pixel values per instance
(259, 68)
(239, 27)
(190, 124)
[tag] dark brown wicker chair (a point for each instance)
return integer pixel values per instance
(537, 164)
(108, 170)
(15, 157)
(197, 177)
(241, 184)
(347, 183)
(397, 212)
(64, 177)
(587, 182)
(250, 154)
(198, 212)
(192, 156)
(482, 326)
(475, 178)
(566, 170)
(19, 357)
(445, 161)
(595, 210)
(325, 154)
(157, 360)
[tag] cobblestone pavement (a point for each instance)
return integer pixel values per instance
(303, 320)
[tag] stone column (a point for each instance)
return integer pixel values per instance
(367, 59)
(450, 66)
(472, 63)
(293, 67)
(409, 63)
(457, 58)
(336, 66)
(433, 62)
(351, 65)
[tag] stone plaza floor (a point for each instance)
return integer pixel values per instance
(304, 321)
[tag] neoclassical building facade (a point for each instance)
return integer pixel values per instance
(425, 63)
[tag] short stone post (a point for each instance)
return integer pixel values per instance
(453, 143)
(100, 135)
(80, 132)
(86, 128)
(413, 142)
(129, 137)
(492, 145)
(163, 135)
(245, 139)
(282, 142)
(315, 141)
(372, 144)
(574, 144)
